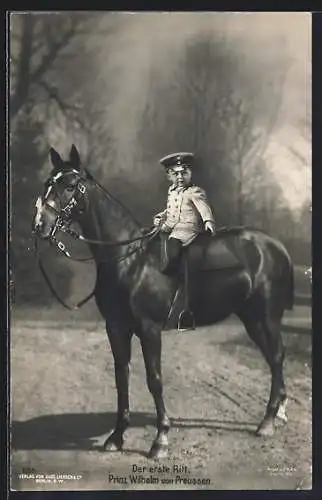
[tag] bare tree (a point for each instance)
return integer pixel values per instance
(29, 59)
(51, 79)
(38, 43)
(246, 142)
(218, 106)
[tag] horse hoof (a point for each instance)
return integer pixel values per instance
(113, 443)
(281, 414)
(265, 429)
(158, 451)
(281, 419)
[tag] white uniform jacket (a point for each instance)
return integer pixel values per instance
(187, 211)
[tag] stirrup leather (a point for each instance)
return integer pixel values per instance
(186, 317)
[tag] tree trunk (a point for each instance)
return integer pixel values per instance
(240, 204)
(239, 189)
(23, 74)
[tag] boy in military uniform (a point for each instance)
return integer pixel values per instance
(188, 211)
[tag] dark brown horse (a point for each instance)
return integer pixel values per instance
(134, 297)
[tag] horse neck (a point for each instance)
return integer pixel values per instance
(106, 219)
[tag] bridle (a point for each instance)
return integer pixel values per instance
(65, 217)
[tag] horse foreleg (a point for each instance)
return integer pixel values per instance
(120, 340)
(151, 349)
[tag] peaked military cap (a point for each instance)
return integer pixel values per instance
(177, 159)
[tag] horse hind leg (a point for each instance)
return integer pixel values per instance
(265, 333)
(276, 407)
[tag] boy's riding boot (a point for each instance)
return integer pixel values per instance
(170, 255)
(186, 318)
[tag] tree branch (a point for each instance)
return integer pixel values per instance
(21, 94)
(65, 108)
(277, 99)
(52, 54)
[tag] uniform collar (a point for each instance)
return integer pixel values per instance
(175, 188)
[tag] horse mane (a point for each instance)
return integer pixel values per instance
(90, 177)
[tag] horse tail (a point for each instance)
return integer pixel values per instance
(290, 288)
(288, 276)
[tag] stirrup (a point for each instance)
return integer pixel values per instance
(186, 321)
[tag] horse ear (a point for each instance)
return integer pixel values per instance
(74, 157)
(55, 158)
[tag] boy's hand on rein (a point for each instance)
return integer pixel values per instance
(157, 221)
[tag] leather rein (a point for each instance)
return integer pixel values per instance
(62, 224)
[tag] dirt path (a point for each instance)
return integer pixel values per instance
(216, 386)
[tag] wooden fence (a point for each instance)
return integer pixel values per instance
(303, 300)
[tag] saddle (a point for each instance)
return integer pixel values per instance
(210, 253)
(205, 254)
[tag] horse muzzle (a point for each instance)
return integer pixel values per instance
(39, 233)
(42, 230)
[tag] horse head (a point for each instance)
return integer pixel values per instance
(63, 199)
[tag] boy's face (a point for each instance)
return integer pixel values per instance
(180, 175)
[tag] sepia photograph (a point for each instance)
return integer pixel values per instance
(160, 250)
